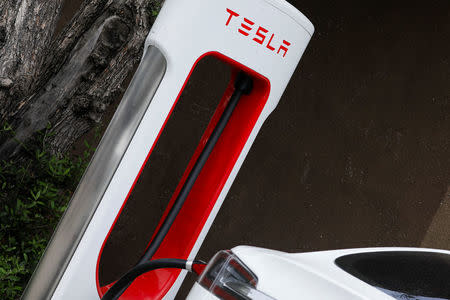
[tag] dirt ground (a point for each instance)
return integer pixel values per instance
(357, 153)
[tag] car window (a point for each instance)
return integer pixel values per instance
(402, 275)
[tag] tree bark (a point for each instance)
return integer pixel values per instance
(70, 80)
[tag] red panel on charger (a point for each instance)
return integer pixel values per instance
(189, 223)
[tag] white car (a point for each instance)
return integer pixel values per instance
(374, 273)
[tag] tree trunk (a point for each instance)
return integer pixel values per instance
(66, 81)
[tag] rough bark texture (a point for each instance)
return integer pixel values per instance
(70, 80)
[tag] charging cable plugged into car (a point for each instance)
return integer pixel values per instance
(243, 86)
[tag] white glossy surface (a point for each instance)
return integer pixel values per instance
(184, 31)
(310, 275)
(200, 293)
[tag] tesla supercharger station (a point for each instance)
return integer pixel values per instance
(262, 39)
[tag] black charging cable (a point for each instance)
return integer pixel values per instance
(243, 86)
(122, 284)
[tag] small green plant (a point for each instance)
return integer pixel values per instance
(155, 7)
(34, 192)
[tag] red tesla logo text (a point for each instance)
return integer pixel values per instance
(258, 34)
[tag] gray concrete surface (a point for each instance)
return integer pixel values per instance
(357, 154)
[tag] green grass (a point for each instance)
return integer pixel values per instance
(154, 7)
(34, 192)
